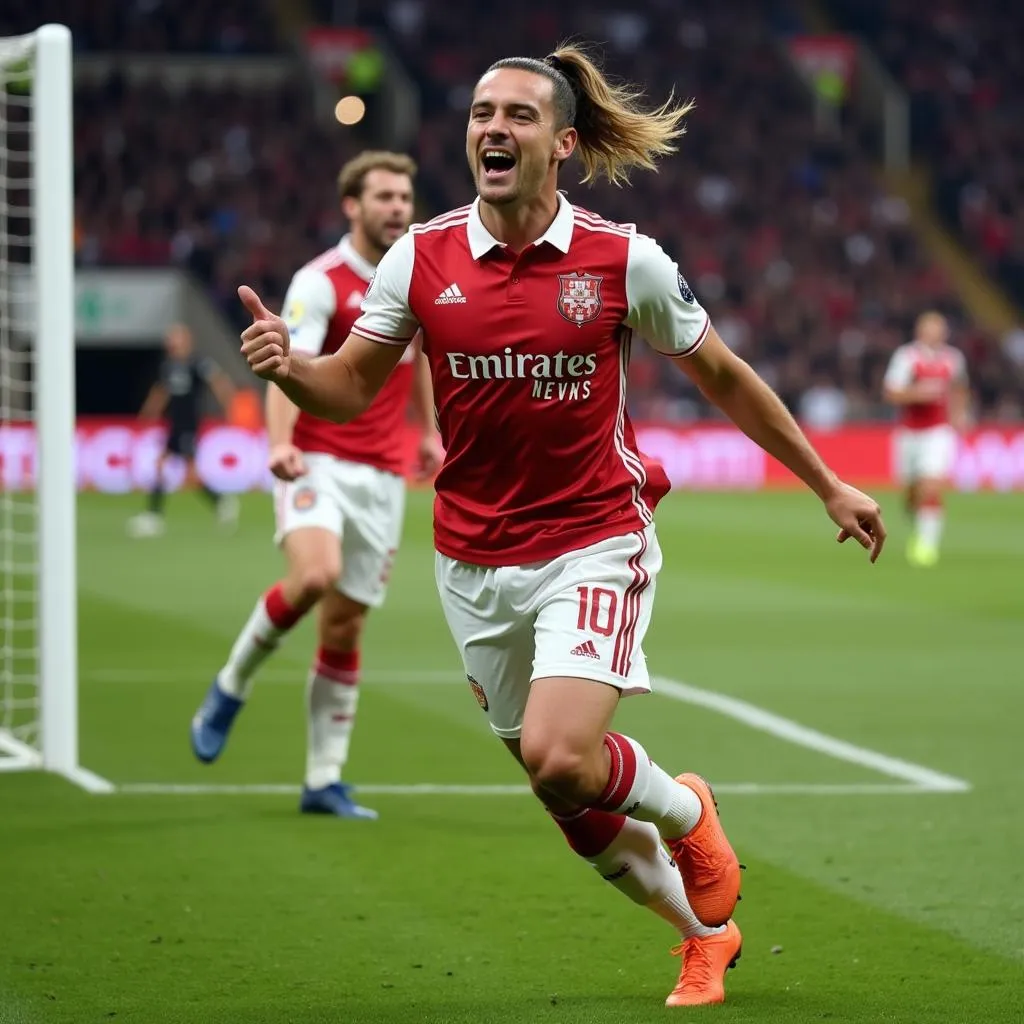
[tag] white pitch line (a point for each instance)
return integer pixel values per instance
(442, 789)
(89, 781)
(925, 779)
(919, 778)
(276, 676)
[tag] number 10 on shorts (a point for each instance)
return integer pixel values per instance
(597, 610)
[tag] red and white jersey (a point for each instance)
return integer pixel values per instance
(915, 362)
(528, 355)
(323, 301)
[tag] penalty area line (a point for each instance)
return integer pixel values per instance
(924, 779)
(456, 789)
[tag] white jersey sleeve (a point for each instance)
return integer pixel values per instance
(661, 306)
(386, 315)
(308, 307)
(899, 374)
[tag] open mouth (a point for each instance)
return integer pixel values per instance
(497, 163)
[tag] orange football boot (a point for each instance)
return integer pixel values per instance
(710, 870)
(705, 961)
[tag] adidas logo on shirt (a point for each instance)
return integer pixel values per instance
(355, 300)
(586, 650)
(450, 296)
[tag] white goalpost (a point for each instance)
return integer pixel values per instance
(38, 591)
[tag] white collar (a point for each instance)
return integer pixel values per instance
(362, 266)
(559, 234)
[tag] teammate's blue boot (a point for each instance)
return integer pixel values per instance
(212, 723)
(335, 799)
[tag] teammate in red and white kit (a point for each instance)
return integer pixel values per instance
(546, 547)
(341, 492)
(927, 381)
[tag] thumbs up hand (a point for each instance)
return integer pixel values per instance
(265, 344)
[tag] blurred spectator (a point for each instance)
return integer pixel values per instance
(823, 405)
(961, 64)
(808, 268)
(226, 27)
(806, 265)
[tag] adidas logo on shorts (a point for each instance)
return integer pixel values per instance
(586, 650)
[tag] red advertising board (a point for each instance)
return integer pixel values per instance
(117, 456)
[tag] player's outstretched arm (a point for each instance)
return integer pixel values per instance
(155, 404)
(337, 387)
(733, 386)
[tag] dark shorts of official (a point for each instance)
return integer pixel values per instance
(181, 441)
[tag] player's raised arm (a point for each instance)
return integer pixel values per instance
(665, 311)
(339, 387)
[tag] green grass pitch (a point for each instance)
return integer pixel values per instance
(870, 896)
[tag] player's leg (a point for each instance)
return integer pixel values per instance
(151, 522)
(911, 499)
(309, 528)
(225, 505)
(372, 505)
(593, 610)
(908, 472)
(937, 452)
(571, 752)
(928, 522)
(630, 856)
(495, 635)
(332, 698)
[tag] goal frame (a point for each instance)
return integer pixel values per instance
(53, 293)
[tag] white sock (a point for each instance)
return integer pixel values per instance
(270, 620)
(640, 789)
(928, 524)
(639, 866)
(332, 695)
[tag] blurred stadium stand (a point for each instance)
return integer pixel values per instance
(201, 157)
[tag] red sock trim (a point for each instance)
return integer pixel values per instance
(338, 666)
(622, 774)
(590, 832)
(931, 503)
(279, 611)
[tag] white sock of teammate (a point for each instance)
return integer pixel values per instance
(928, 522)
(640, 789)
(272, 617)
(332, 694)
(628, 854)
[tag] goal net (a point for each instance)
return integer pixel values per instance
(38, 634)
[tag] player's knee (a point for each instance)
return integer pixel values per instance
(563, 771)
(313, 581)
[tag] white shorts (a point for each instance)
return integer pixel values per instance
(582, 615)
(361, 505)
(925, 454)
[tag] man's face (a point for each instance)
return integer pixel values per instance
(179, 342)
(512, 144)
(384, 209)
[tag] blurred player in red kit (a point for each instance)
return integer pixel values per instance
(927, 381)
(546, 548)
(340, 496)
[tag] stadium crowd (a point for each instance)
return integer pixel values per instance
(809, 270)
(963, 67)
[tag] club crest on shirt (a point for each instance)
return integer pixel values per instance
(685, 290)
(304, 499)
(579, 297)
(478, 692)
